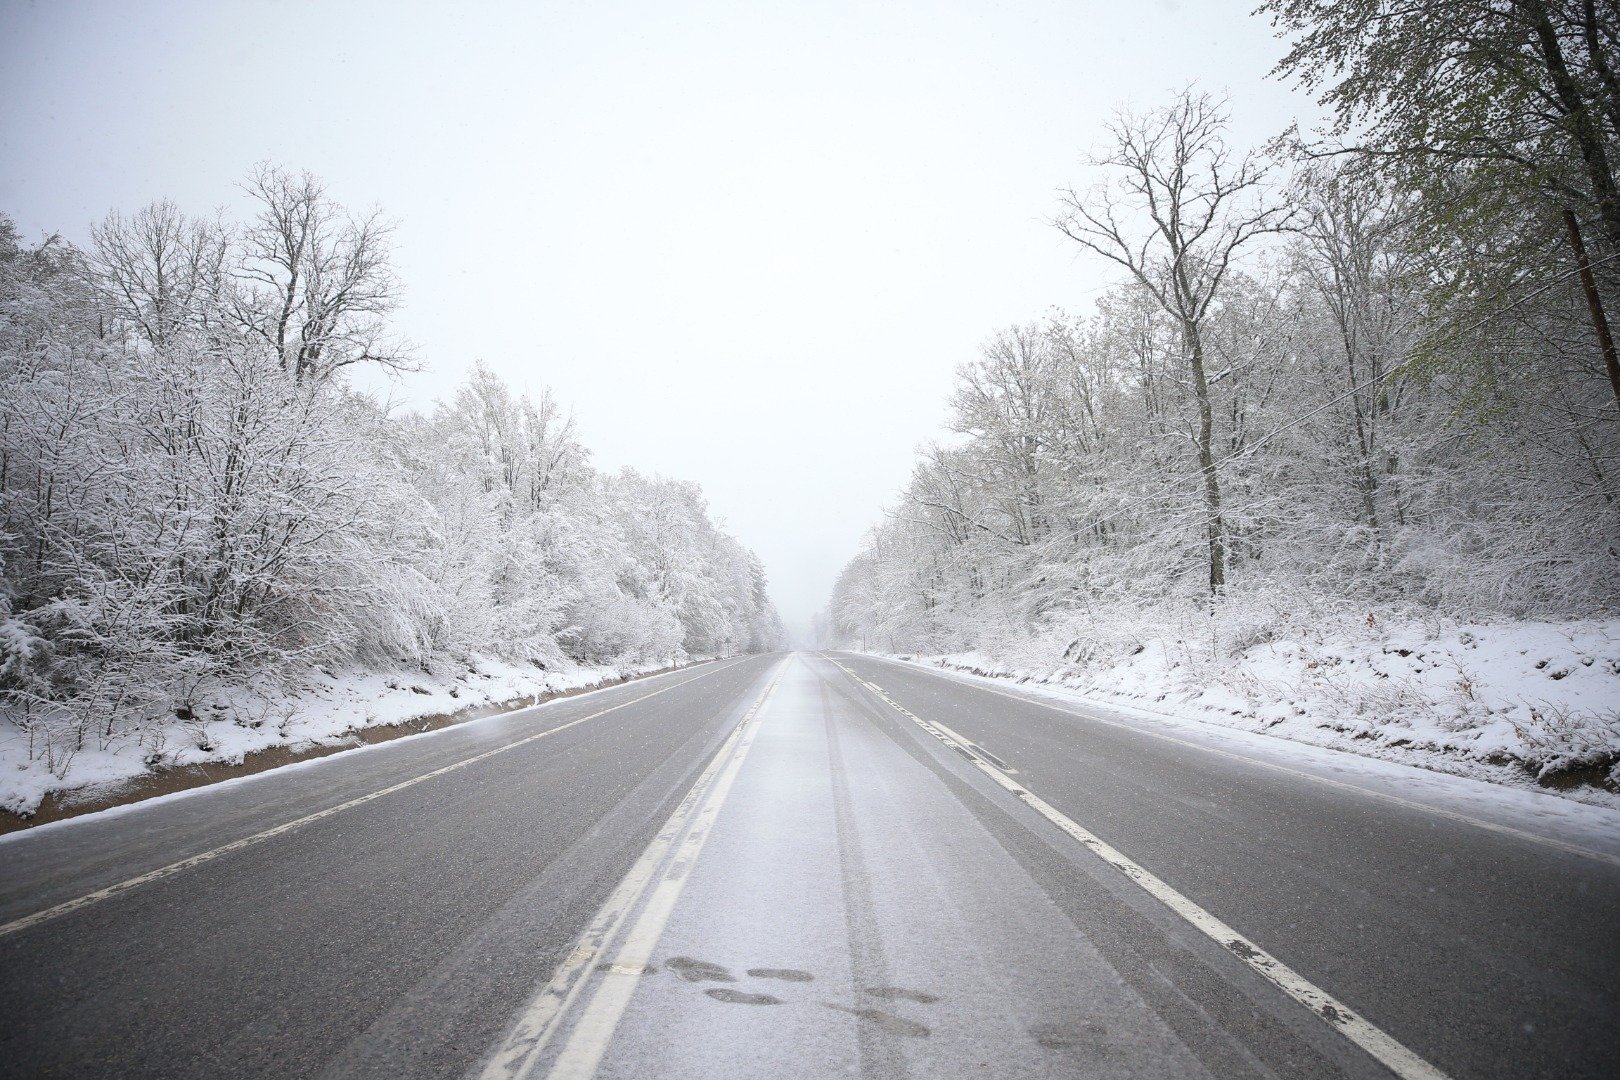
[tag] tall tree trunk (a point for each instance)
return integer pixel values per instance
(1594, 305)
(1206, 463)
(1599, 60)
(1583, 126)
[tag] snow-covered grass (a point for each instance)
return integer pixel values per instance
(226, 725)
(1529, 703)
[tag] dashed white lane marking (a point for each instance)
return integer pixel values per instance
(992, 759)
(1394, 1056)
(649, 891)
(1439, 811)
(259, 837)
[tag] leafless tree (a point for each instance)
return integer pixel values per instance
(316, 280)
(161, 271)
(1354, 260)
(1175, 208)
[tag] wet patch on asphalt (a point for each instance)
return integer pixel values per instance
(692, 970)
(739, 997)
(698, 970)
(900, 993)
(785, 974)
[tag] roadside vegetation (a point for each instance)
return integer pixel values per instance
(1354, 389)
(199, 516)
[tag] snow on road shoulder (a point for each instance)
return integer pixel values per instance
(1518, 806)
(1534, 706)
(227, 725)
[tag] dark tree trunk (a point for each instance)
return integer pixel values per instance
(1594, 305)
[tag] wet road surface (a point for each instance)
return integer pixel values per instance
(803, 866)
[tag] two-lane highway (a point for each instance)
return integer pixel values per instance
(803, 866)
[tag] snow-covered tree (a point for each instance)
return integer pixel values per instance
(191, 495)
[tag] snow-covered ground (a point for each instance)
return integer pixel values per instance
(234, 722)
(1524, 703)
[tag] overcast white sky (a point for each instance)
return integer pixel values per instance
(748, 243)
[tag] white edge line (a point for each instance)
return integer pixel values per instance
(1393, 1055)
(48, 828)
(678, 843)
(1439, 811)
(46, 914)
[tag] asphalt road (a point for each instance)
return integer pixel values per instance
(804, 866)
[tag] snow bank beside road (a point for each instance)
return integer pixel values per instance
(1520, 702)
(226, 726)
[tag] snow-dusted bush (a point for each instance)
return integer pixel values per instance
(1517, 701)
